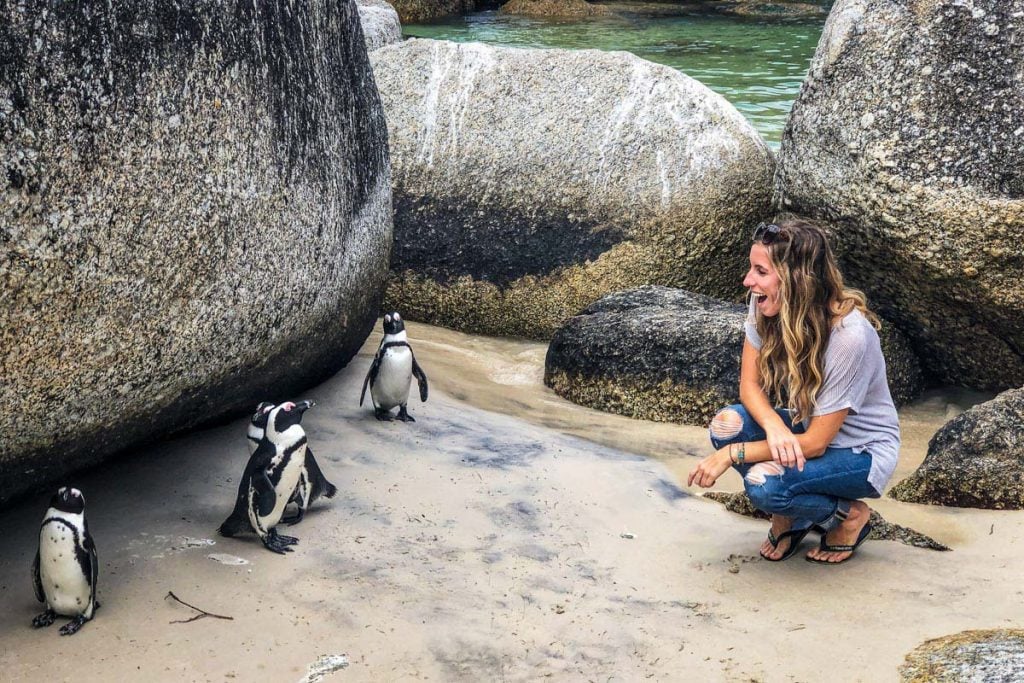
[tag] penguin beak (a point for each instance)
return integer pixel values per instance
(303, 406)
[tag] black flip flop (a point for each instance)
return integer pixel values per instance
(825, 547)
(796, 535)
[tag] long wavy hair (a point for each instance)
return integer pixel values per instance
(812, 296)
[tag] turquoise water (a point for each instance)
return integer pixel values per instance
(756, 64)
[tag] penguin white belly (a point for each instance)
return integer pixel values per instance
(66, 588)
(394, 379)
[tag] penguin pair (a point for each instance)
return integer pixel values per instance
(66, 567)
(271, 478)
(390, 375)
(312, 482)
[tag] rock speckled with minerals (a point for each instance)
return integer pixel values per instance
(908, 136)
(184, 229)
(529, 183)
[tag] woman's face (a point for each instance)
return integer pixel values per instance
(763, 281)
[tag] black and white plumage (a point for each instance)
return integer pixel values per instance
(66, 567)
(312, 482)
(390, 375)
(270, 478)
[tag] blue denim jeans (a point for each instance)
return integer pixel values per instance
(819, 495)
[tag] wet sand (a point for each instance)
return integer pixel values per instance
(506, 535)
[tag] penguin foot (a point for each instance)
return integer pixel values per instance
(287, 540)
(44, 619)
(72, 626)
(276, 546)
(404, 415)
(382, 415)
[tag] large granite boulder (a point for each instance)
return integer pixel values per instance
(416, 11)
(529, 183)
(183, 230)
(975, 460)
(553, 8)
(380, 23)
(982, 656)
(669, 355)
(908, 135)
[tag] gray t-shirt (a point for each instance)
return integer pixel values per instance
(855, 379)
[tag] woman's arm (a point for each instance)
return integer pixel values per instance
(813, 442)
(783, 446)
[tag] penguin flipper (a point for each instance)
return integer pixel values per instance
(421, 377)
(264, 493)
(37, 581)
(318, 482)
(371, 377)
(94, 572)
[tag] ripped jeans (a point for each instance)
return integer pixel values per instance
(820, 495)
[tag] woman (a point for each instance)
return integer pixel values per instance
(812, 345)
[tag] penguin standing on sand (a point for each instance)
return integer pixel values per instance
(392, 371)
(312, 482)
(66, 568)
(270, 478)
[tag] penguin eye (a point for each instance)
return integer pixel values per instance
(397, 317)
(387, 318)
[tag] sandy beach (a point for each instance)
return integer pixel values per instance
(506, 535)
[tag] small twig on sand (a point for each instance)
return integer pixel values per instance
(202, 612)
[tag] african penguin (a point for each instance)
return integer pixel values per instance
(312, 482)
(270, 478)
(66, 567)
(392, 371)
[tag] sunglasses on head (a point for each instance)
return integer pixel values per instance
(766, 233)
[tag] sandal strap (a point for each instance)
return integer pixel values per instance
(837, 548)
(772, 539)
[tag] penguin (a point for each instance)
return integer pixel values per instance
(390, 376)
(66, 567)
(312, 482)
(270, 478)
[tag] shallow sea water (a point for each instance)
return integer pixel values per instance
(756, 64)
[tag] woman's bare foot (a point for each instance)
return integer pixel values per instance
(844, 534)
(780, 525)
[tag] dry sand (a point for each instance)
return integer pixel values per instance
(506, 535)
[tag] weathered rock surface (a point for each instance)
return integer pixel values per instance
(881, 530)
(415, 11)
(974, 460)
(183, 232)
(553, 8)
(968, 657)
(529, 183)
(769, 10)
(669, 355)
(380, 23)
(908, 134)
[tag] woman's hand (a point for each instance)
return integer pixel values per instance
(708, 470)
(784, 447)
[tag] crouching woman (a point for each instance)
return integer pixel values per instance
(832, 436)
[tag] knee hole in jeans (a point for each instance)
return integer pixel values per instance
(726, 424)
(759, 471)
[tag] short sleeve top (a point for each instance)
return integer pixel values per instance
(855, 379)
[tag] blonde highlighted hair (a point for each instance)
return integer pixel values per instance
(812, 297)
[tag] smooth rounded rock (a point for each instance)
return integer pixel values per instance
(669, 355)
(974, 460)
(416, 11)
(529, 183)
(184, 231)
(380, 23)
(907, 135)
